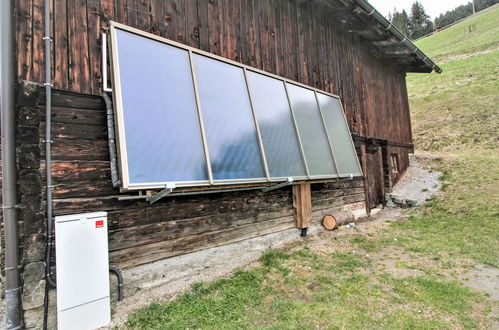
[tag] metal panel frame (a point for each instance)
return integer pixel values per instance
(351, 139)
(333, 176)
(119, 117)
(257, 126)
(338, 172)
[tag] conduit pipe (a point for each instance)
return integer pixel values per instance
(119, 277)
(111, 141)
(49, 282)
(390, 27)
(13, 319)
(48, 140)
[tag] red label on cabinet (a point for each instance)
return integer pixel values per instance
(99, 223)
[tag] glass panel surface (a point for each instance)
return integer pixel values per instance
(277, 129)
(312, 131)
(163, 139)
(230, 128)
(339, 135)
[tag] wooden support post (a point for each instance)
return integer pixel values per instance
(302, 203)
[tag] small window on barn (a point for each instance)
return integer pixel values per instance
(394, 162)
(187, 117)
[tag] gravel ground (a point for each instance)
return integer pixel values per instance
(419, 183)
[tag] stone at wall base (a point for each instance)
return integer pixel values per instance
(34, 285)
(390, 204)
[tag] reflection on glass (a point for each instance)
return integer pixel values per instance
(272, 111)
(339, 135)
(163, 140)
(228, 119)
(312, 131)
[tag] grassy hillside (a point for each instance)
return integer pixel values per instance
(459, 108)
(409, 274)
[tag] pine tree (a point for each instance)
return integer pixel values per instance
(420, 23)
(401, 21)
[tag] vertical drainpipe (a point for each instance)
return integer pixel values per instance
(13, 318)
(48, 139)
(49, 282)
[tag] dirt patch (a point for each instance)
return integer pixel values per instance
(485, 279)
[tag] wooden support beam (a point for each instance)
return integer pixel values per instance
(302, 204)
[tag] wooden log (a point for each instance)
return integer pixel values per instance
(302, 203)
(334, 220)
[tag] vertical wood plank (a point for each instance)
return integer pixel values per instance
(120, 10)
(214, 26)
(301, 53)
(143, 17)
(79, 64)
(94, 44)
(170, 17)
(235, 16)
(131, 13)
(203, 25)
(302, 204)
(38, 51)
(271, 14)
(61, 61)
(159, 24)
(192, 31)
(24, 39)
(180, 21)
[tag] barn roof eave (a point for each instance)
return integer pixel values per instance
(387, 41)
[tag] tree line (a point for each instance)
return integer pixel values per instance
(417, 23)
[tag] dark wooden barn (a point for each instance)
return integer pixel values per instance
(342, 47)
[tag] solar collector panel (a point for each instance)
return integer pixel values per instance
(274, 117)
(312, 131)
(192, 118)
(230, 127)
(162, 132)
(339, 135)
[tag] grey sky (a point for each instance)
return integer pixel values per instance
(432, 7)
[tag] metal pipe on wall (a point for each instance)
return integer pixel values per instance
(115, 178)
(13, 319)
(48, 158)
(48, 138)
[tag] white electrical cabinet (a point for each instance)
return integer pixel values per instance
(82, 265)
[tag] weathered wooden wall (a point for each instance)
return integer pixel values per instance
(140, 232)
(297, 40)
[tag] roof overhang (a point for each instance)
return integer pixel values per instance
(385, 40)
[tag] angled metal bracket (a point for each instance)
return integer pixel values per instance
(288, 182)
(168, 190)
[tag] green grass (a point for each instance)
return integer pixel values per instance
(460, 107)
(464, 221)
(458, 42)
(333, 294)
(345, 283)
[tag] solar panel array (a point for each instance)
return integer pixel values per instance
(191, 118)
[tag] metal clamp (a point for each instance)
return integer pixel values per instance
(47, 38)
(13, 207)
(372, 12)
(168, 190)
(288, 182)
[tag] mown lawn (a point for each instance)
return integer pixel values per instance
(340, 284)
(409, 273)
